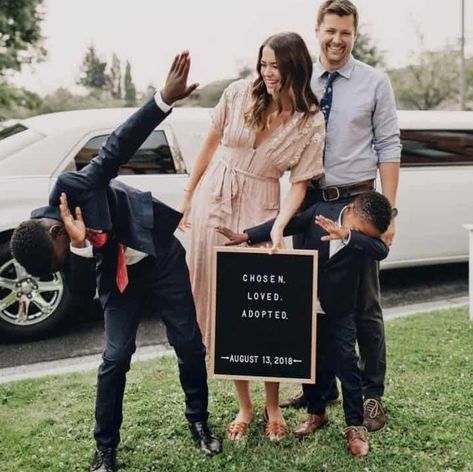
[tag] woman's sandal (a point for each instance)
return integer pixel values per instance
(237, 430)
(275, 431)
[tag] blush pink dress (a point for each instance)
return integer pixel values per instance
(241, 186)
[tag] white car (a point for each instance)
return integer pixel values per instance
(435, 192)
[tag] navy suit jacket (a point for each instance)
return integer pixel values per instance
(132, 217)
(338, 276)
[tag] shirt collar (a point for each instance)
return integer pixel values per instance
(345, 71)
(339, 220)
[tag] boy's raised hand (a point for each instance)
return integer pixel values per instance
(233, 238)
(334, 231)
(176, 86)
(75, 227)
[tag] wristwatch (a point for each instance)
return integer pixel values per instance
(394, 212)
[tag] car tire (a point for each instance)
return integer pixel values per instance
(30, 307)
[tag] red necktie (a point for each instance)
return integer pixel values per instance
(98, 240)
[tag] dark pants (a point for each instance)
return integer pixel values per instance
(368, 318)
(336, 355)
(165, 279)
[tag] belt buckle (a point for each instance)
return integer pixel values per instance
(326, 194)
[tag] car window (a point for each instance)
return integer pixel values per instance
(153, 157)
(15, 138)
(436, 147)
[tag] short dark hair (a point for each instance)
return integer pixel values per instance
(375, 209)
(340, 8)
(32, 246)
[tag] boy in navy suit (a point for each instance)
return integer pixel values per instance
(344, 234)
(131, 233)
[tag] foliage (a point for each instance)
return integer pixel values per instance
(207, 96)
(20, 34)
(15, 101)
(116, 77)
(367, 52)
(93, 71)
(129, 86)
(47, 424)
(430, 83)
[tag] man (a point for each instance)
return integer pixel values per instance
(342, 247)
(362, 137)
(132, 236)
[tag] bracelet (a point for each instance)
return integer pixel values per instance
(187, 190)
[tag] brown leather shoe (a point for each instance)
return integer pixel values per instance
(311, 424)
(297, 401)
(357, 441)
(373, 415)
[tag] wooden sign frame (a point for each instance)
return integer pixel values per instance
(295, 252)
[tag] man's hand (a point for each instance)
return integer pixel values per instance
(334, 231)
(176, 86)
(234, 239)
(388, 236)
(75, 228)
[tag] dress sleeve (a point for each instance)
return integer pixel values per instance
(220, 114)
(310, 164)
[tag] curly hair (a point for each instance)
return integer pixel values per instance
(32, 246)
(374, 208)
(295, 66)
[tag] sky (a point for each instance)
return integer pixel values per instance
(222, 36)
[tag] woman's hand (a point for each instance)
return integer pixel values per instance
(334, 231)
(234, 239)
(185, 209)
(277, 237)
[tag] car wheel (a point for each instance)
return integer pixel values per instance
(30, 307)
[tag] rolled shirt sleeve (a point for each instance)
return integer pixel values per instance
(386, 134)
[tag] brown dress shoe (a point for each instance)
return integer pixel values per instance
(297, 401)
(311, 424)
(373, 415)
(357, 441)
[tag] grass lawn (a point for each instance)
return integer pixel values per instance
(46, 424)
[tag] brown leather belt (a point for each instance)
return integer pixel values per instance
(331, 194)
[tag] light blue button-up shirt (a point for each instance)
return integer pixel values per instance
(363, 129)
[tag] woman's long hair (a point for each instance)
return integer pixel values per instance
(295, 68)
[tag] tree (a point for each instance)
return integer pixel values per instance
(116, 77)
(129, 86)
(365, 51)
(93, 71)
(430, 83)
(17, 102)
(20, 34)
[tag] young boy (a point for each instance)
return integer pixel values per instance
(344, 234)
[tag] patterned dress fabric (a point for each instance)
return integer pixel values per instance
(241, 186)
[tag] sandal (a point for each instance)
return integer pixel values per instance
(237, 430)
(275, 431)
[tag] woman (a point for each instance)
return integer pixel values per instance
(259, 129)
